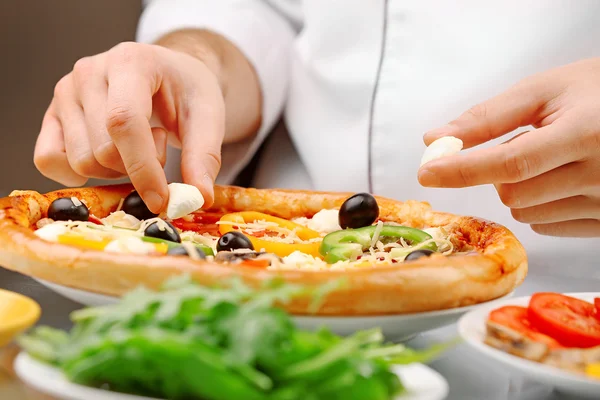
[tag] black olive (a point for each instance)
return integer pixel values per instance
(358, 211)
(227, 256)
(134, 205)
(63, 209)
(153, 230)
(183, 251)
(418, 254)
(234, 240)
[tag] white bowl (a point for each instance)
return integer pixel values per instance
(472, 329)
(421, 382)
(394, 327)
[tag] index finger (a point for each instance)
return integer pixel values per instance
(522, 158)
(521, 105)
(129, 107)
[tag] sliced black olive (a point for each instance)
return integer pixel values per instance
(418, 254)
(134, 205)
(153, 230)
(183, 251)
(228, 256)
(63, 209)
(358, 211)
(234, 240)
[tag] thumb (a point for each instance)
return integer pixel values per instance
(519, 106)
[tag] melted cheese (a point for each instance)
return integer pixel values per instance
(51, 232)
(130, 244)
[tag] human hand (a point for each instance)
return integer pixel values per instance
(550, 176)
(97, 125)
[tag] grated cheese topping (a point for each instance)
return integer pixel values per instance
(125, 232)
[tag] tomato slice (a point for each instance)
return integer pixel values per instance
(597, 305)
(569, 320)
(202, 222)
(256, 263)
(516, 318)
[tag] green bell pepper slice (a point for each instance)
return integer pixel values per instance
(202, 247)
(350, 243)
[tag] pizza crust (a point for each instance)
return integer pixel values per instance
(498, 265)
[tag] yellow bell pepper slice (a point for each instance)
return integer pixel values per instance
(75, 239)
(593, 370)
(278, 248)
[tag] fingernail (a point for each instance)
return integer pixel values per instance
(446, 130)
(153, 200)
(428, 178)
(208, 185)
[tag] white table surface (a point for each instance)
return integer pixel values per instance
(470, 376)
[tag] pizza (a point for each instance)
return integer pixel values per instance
(394, 257)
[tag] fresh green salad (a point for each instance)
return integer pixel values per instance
(188, 341)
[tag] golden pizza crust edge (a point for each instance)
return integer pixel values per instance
(427, 284)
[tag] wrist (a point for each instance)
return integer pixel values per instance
(203, 45)
(236, 76)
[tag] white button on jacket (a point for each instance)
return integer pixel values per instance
(358, 82)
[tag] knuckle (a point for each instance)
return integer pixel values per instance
(107, 154)
(214, 158)
(508, 195)
(118, 118)
(83, 68)
(478, 111)
(466, 175)
(44, 160)
(520, 215)
(62, 86)
(517, 167)
(135, 168)
(84, 165)
(127, 52)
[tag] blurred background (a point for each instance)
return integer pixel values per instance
(40, 41)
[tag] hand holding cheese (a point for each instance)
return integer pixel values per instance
(547, 176)
(112, 115)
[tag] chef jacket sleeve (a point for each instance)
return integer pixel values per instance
(261, 32)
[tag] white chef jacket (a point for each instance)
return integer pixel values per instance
(358, 83)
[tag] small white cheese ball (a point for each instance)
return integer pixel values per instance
(130, 244)
(325, 221)
(51, 232)
(183, 200)
(442, 147)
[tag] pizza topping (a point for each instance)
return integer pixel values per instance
(442, 147)
(290, 236)
(132, 244)
(358, 211)
(187, 249)
(235, 257)
(171, 245)
(324, 222)
(51, 231)
(234, 240)
(162, 230)
(135, 206)
(76, 201)
(121, 219)
(64, 209)
(183, 200)
(415, 255)
(349, 244)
